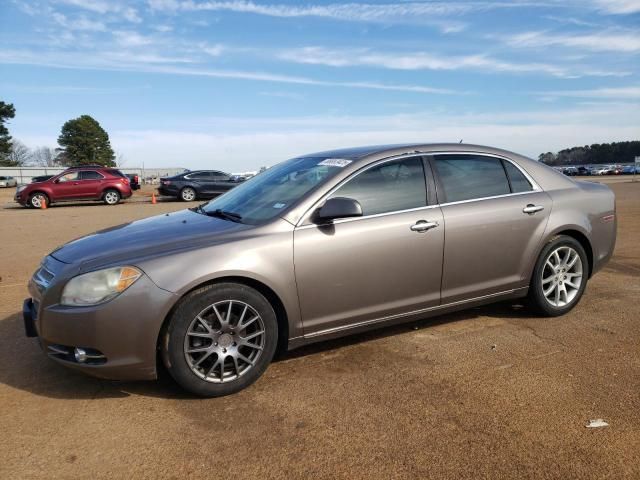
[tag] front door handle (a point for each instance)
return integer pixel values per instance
(531, 209)
(423, 226)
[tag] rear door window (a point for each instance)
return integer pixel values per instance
(388, 187)
(90, 175)
(468, 177)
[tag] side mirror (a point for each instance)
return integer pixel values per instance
(340, 207)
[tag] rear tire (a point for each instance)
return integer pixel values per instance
(36, 199)
(220, 339)
(111, 197)
(188, 194)
(559, 277)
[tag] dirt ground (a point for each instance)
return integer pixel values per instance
(488, 393)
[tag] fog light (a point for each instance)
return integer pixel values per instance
(80, 355)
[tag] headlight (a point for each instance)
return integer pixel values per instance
(21, 188)
(99, 286)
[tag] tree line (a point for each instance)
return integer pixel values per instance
(598, 153)
(82, 141)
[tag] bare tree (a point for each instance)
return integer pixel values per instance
(120, 160)
(44, 157)
(19, 154)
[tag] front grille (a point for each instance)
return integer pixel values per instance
(42, 278)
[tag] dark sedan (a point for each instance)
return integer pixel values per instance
(190, 186)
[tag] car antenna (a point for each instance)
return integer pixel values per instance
(461, 140)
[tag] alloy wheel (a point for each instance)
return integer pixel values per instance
(562, 276)
(38, 200)
(224, 341)
(188, 195)
(111, 198)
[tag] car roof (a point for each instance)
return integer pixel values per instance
(359, 153)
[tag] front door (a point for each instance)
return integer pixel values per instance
(495, 218)
(387, 262)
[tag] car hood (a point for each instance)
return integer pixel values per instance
(152, 236)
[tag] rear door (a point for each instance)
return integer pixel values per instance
(494, 217)
(221, 182)
(380, 265)
(91, 183)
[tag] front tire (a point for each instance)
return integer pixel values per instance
(559, 277)
(220, 339)
(36, 200)
(111, 197)
(188, 194)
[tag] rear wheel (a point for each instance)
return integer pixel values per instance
(187, 194)
(38, 200)
(220, 339)
(111, 197)
(560, 276)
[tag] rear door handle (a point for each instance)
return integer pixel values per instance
(423, 226)
(531, 209)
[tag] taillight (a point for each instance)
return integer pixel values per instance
(136, 178)
(125, 181)
(166, 182)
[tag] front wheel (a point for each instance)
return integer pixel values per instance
(38, 200)
(111, 197)
(220, 339)
(560, 277)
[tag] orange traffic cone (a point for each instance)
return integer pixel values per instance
(153, 198)
(43, 204)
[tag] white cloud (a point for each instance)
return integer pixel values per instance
(618, 6)
(426, 61)
(625, 42)
(78, 23)
(144, 63)
(131, 39)
(102, 7)
(626, 93)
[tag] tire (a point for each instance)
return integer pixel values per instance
(215, 358)
(111, 197)
(188, 194)
(36, 199)
(559, 281)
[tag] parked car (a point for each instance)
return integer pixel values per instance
(630, 170)
(134, 181)
(74, 184)
(189, 186)
(318, 247)
(7, 182)
(570, 171)
(606, 170)
(584, 171)
(41, 178)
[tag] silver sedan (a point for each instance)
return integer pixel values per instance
(320, 246)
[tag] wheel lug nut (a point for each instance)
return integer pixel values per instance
(215, 344)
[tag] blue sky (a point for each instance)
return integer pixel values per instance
(239, 84)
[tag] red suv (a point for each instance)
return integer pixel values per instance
(77, 183)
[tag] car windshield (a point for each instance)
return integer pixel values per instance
(268, 194)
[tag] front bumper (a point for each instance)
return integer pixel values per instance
(124, 331)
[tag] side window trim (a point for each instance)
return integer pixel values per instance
(429, 186)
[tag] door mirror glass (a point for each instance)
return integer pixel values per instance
(340, 207)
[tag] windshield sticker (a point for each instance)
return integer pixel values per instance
(279, 205)
(335, 162)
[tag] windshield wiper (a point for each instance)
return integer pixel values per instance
(234, 217)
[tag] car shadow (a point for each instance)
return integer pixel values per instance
(24, 366)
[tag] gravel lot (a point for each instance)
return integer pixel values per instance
(488, 393)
